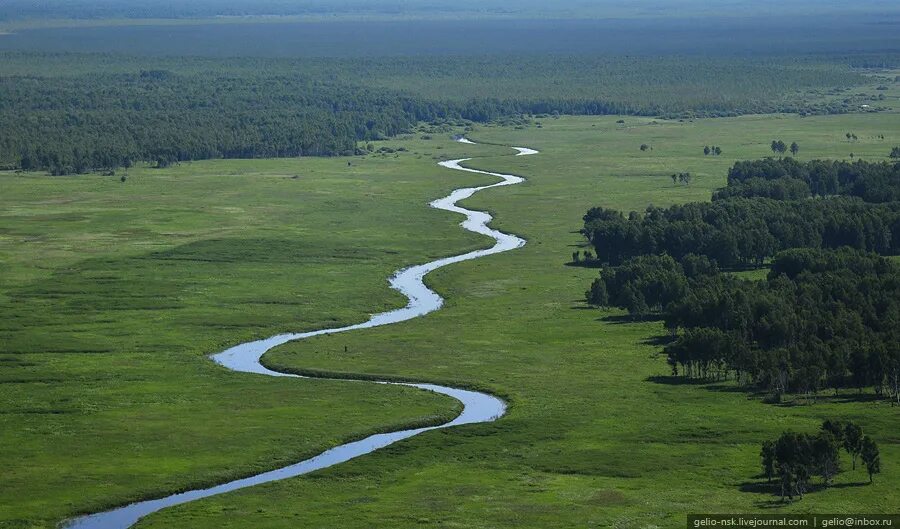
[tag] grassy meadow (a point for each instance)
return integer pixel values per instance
(597, 435)
(113, 294)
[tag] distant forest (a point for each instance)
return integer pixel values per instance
(828, 314)
(66, 113)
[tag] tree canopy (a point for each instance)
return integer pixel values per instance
(827, 315)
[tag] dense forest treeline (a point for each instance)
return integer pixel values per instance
(789, 179)
(827, 315)
(106, 121)
(75, 113)
(744, 231)
(822, 319)
(766, 208)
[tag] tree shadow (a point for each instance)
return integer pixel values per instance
(849, 398)
(585, 264)
(630, 318)
(758, 487)
(853, 485)
(794, 400)
(773, 491)
(673, 380)
(660, 340)
(730, 388)
(708, 384)
(769, 493)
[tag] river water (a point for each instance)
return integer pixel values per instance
(245, 358)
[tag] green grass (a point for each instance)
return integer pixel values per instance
(596, 435)
(590, 440)
(112, 294)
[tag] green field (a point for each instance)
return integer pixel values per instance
(113, 293)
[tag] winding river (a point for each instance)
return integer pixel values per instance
(245, 358)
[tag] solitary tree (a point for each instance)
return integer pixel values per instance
(674, 178)
(795, 148)
(870, 457)
(895, 153)
(767, 454)
(706, 150)
(644, 146)
(717, 150)
(853, 438)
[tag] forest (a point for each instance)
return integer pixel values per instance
(744, 232)
(65, 113)
(827, 314)
(768, 206)
(788, 179)
(822, 319)
(110, 121)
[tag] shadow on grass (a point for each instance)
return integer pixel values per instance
(660, 340)
(630, 318)
(708, 384)
(769, 494)
(772, 491)
(851, 397)
(618, 317)
(729, 388)
(585, 264)
(672, 380)
(789, 401)
(758, 487)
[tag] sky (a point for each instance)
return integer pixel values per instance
(93, 9)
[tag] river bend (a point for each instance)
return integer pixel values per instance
(245, 358)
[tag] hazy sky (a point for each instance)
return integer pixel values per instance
(17, 9)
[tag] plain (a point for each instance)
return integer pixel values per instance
(112, 299)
